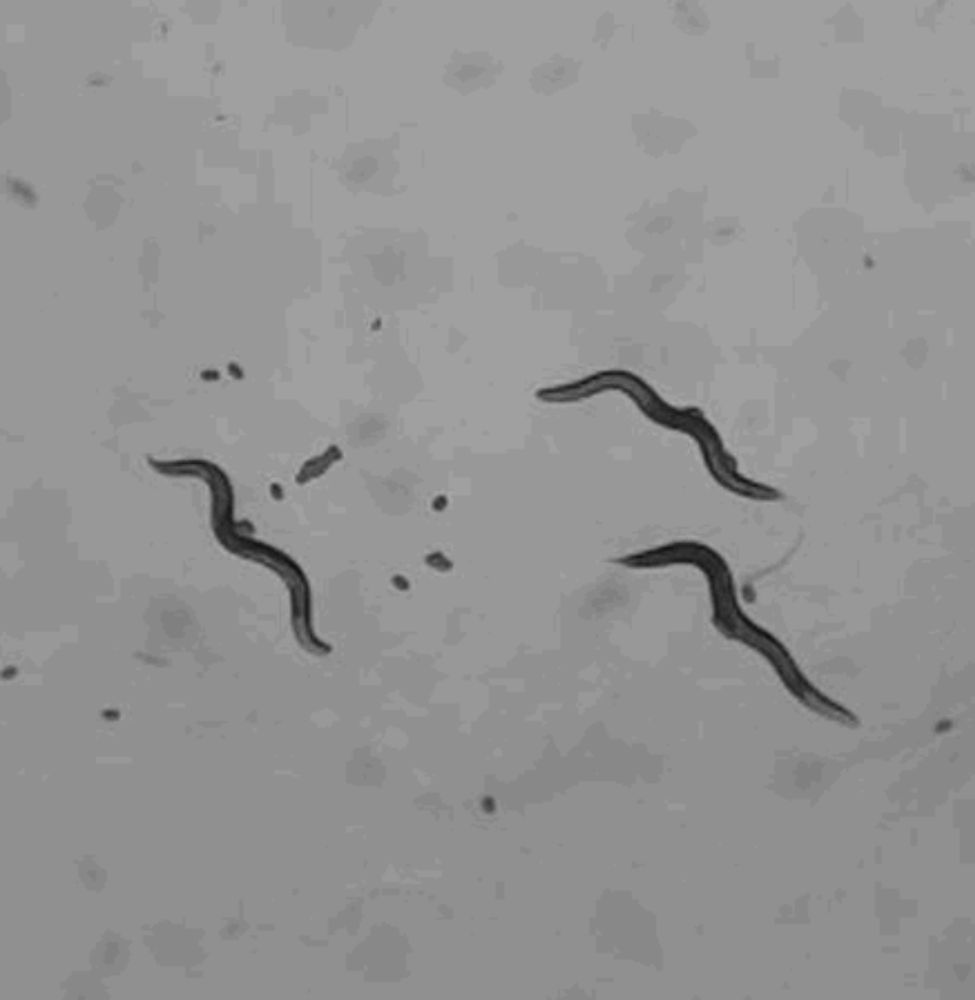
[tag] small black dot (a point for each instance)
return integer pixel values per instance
(377, 324)
(235, 370)
(439, 562)
(943, 725)
(9, 673)
(111, 714)
(439, 502)
(748, 594)
(488, 804)
(210, 375)
(400, 582)
(277, 491)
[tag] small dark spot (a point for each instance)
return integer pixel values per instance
(318, 465)
(235, 371)
(748, 594)
(439, 562)
(9, 673)
(111, 714)
(868, 261)
(98, 79)
(376, 324)
(277, 491)
(210, 375)
(943, 725)
(400, 582)
(488, 804)
(439, 502)
(21, 191)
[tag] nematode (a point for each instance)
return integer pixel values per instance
(237, 537)
(689, 420)
(729, 619)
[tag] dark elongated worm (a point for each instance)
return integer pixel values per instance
(689, 420)
(237, 537)
(729, 619)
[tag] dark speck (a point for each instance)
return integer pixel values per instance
(488, 804)
(277, 491)
(235, 371)
(748, 594)
(943, 725)
(439, 562)
(868, 261)
(439, 502)
(377, 324)
(400, 582)
(210, 375)
(111, 714)
(9, 673)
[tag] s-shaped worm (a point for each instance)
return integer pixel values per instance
(690, 420)
(237, 537)
(729, 619)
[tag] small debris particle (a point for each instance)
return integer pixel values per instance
(9, 673)
(376, 324)
(488, 804)
(400, 582)
(318, 465)
(277, 491)
(20, 190)
(111, 714)
(438, 561)
(210, 375)
(943, 725)
(235, 371)
(439, 502)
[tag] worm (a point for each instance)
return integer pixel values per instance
(729, 619)
(689, 420)
(237, 537)
(748, 592)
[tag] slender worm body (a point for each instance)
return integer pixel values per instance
(721, 464)
(237, 537)
(729, 619)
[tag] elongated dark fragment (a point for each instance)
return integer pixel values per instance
(318, 465)
(731, 621)
(690, 420)
(237, 538)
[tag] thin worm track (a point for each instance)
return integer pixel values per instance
(729, 619)
(689, 420)
(237, 537)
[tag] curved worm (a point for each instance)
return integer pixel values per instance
(729, 619)
(237, 538)
(689, 420)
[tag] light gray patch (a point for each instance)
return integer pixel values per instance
(204, 11)
(838, 666)
(467, 72)
(298, 109)
(625, 929)
(92, 875)
(847, 25)
(334, 26)
(878, 125)
(604, 29)
(175, 945)
(83, 985)
(950, 956)
(103, 203)
(915, 352)
(20, 191)
(370, 165)
(597, 757)
(6, 98)
(964, 822)
(828, 239)
(761, 68)
(930, 16)
(605, 598)
(148, 263)
(111, 955)
(840, 367)
(669, 232)
(691, 17)
(364, 769)
(658, 134)
(802, 776)
(434, 804)
(564, 281)
(348, 919)
(890, 908)
(367, 429)
(394, 494)
(382, 956)
(387, 270)
(794, 912)
(574, 992)
(724, 230)
(556, 73)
